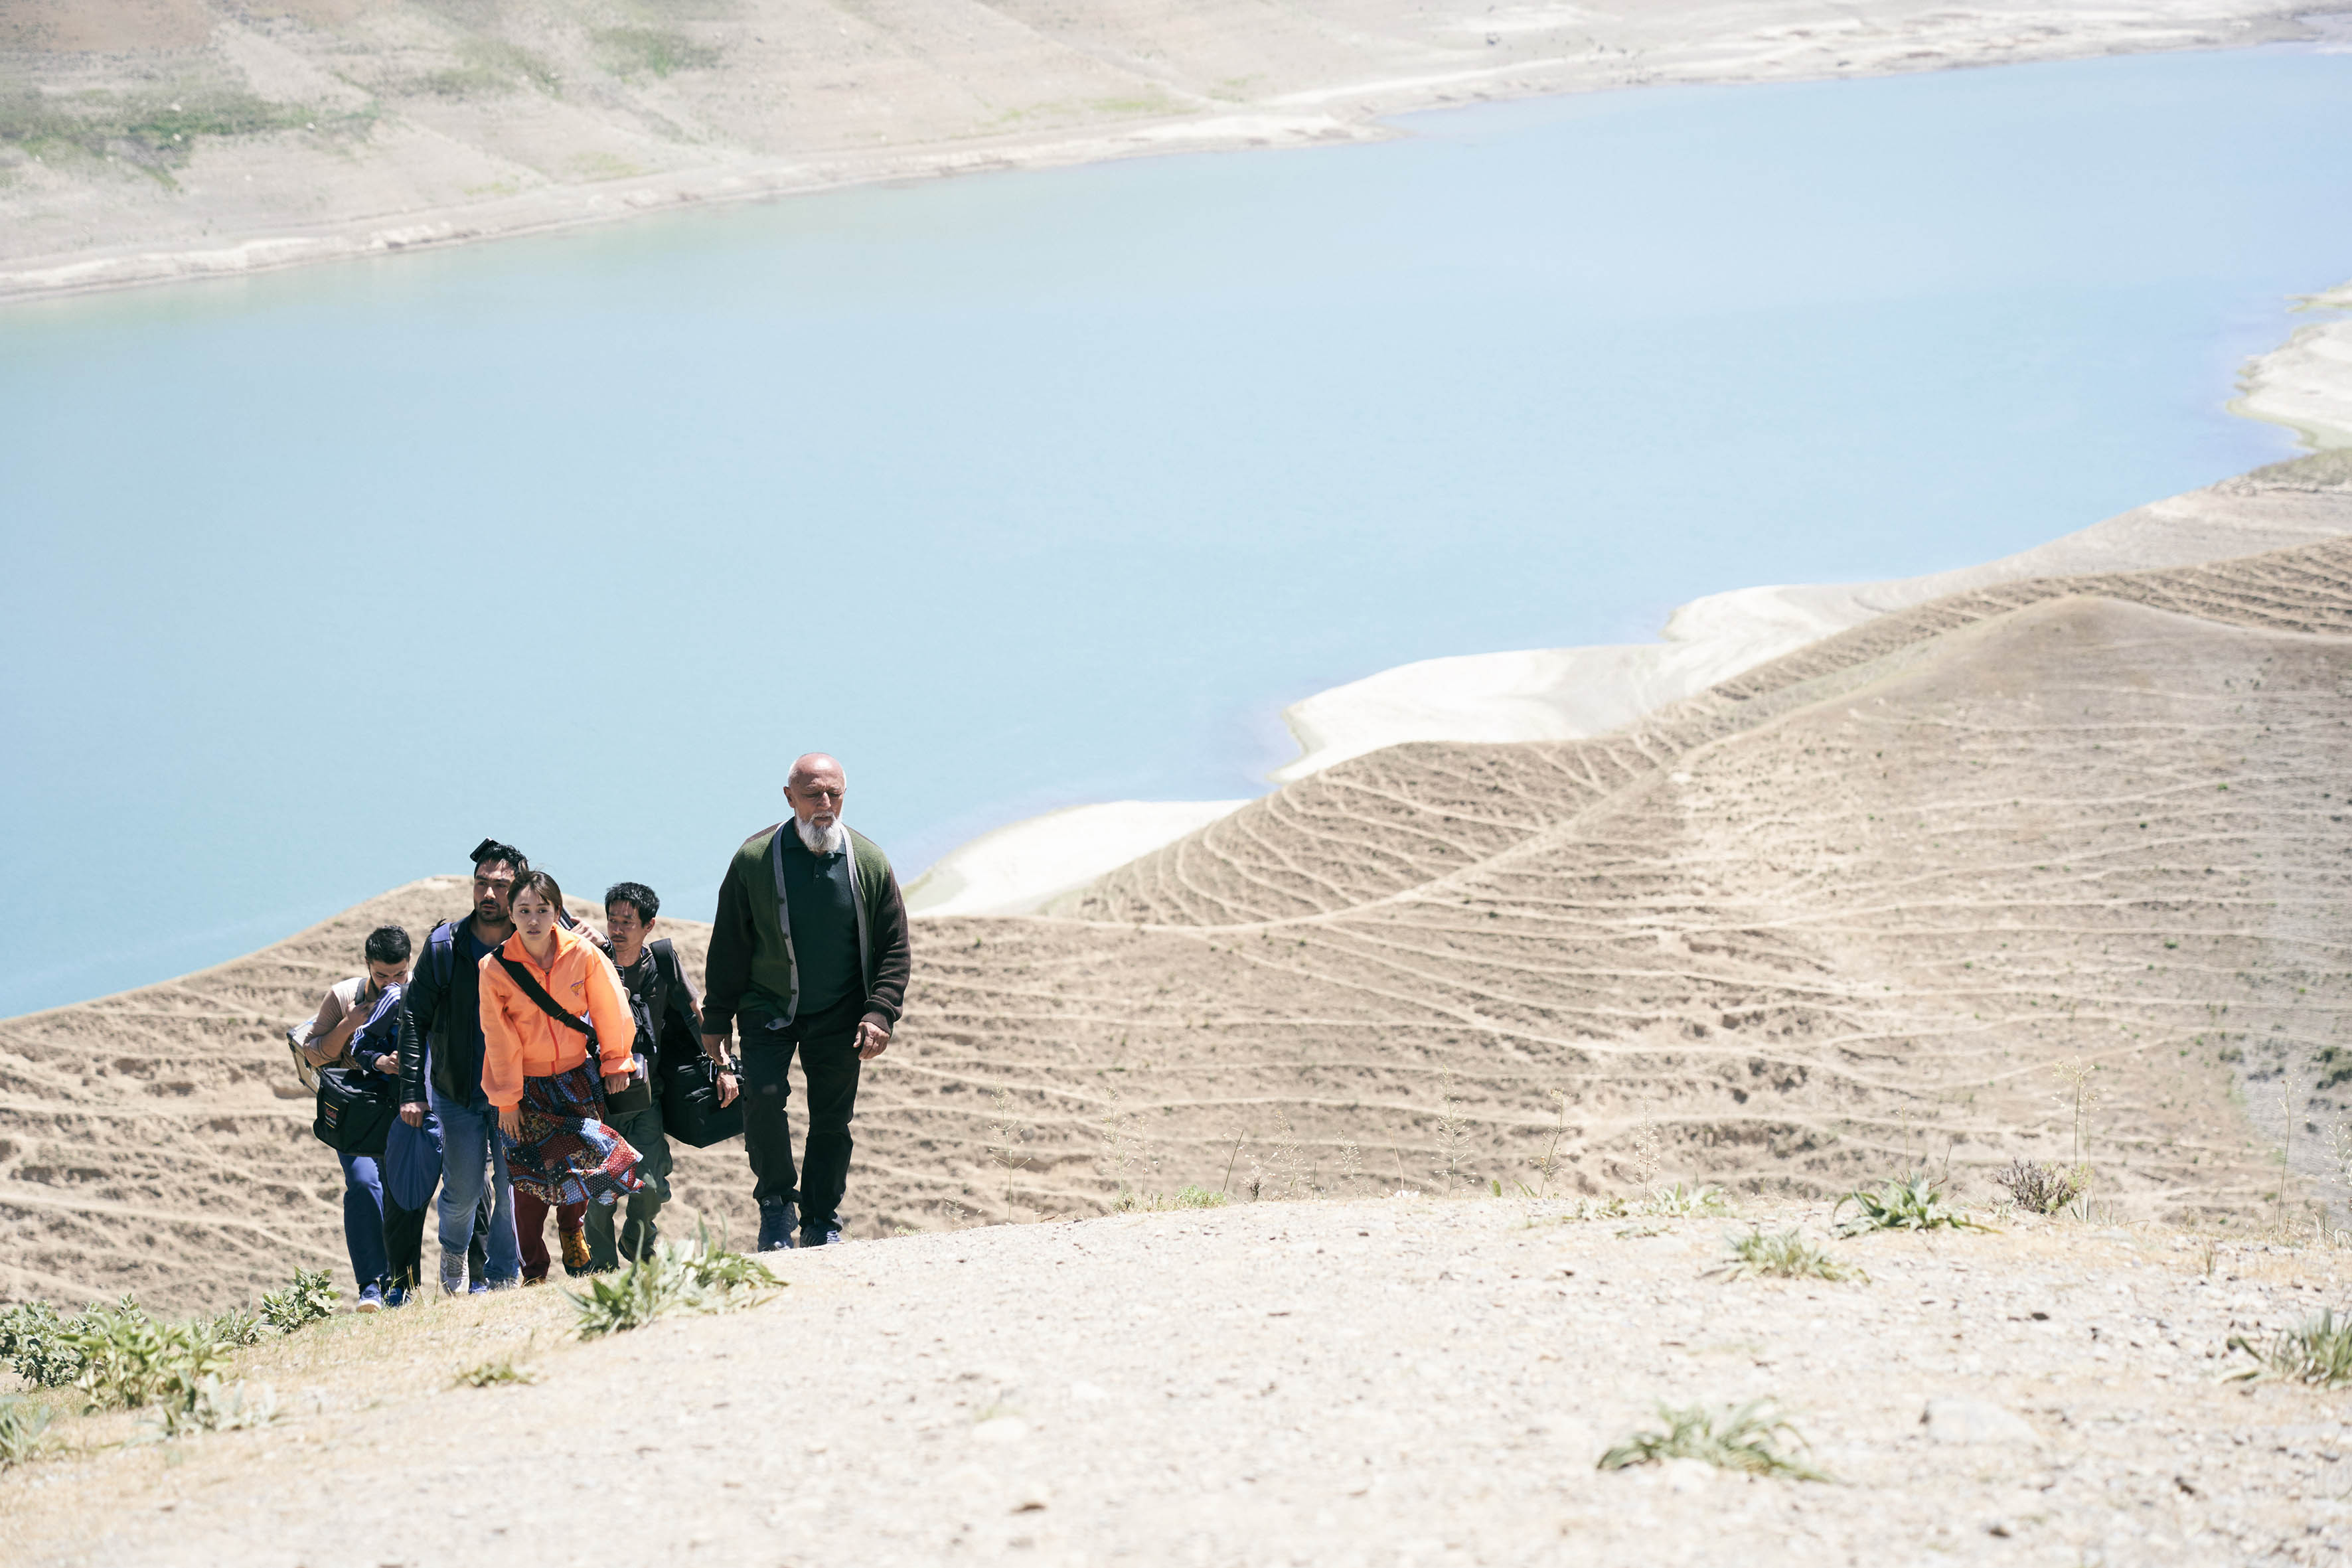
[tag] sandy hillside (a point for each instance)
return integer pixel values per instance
(151, 139)
(1843, 913)
(1376, 1382)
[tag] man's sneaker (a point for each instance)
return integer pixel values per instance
(777, 1223)
(395, 1296)
(829, 1236)
(510, 1283)
(453, 1274)
(575, 1253)
(371, 1299)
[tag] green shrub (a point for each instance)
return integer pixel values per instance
(37, 1344)
(679, 1277)
(1188, 1198)
(1743, 1437)
(490, 1373)
(236, 1326)
(23, 1427)
(1786, 1254)
(129, 1359)
(1678, 1202)
(2319, 1352)
(2043, 1187)
(1906, 1203)
(210, 1407)
(308, 1298)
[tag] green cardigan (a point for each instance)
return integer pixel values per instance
(751, 971)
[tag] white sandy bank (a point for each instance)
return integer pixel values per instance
(2306, 384)
(1015, 870)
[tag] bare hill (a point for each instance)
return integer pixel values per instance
(152, 139)
(1843, 913)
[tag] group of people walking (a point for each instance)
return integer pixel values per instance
(530, 1054)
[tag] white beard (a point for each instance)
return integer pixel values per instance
(823, 840)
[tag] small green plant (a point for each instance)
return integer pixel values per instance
(1453, 1137)
(236, 1326)
(24, 1429)
(1742, 1438)
(2043, 1186)
(1678, 1202)
(1004, 1145)
(1187, 1198)
(491, 1374)
(629, 51)
(1785, 1255)
(37, 1344)
(2319, 1352)
(1914, 1202)
(677, 1277)
(307, 1300)
(129, 1359)
(211, 1407)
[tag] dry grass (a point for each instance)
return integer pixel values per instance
(1752, 1437)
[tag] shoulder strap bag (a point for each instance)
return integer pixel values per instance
(628, 1101)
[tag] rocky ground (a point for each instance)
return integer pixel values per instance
(1383, 1381)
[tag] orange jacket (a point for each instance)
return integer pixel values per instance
(519, 1040)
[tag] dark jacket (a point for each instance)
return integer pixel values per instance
(750, 969)
(445, 987)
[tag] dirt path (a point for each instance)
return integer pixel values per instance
(1381, 1382)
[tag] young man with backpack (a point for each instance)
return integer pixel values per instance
(445, 1016)
(663, 1002)
(360, 1022)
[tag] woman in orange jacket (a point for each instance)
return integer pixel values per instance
(535, 1058)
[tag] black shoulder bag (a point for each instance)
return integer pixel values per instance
(356, 1104)
(628, 1102)
(690, 1109)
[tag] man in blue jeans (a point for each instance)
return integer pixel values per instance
(358, 1022)
(445, 1009)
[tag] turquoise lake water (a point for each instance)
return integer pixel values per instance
(1028, 490)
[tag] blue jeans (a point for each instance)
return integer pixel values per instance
(470, 1146)
(363, 1218)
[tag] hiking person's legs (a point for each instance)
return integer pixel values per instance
(768, 1134)
(363, 1220)
(474, 1166)
(530, 1235)
(830, 1063)
(638, 1233)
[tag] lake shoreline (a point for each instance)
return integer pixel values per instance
(1331, 113)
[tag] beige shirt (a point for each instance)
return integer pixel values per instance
(341, 998)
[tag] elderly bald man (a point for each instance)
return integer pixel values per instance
(809, 953)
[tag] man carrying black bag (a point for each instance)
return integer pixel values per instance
(663, 1002)
(354, 1045)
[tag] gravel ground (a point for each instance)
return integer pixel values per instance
(1385, 1381)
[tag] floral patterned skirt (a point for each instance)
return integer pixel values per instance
(566, 1154)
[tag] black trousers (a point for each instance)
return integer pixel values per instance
(827, 1044)
(403, 1239)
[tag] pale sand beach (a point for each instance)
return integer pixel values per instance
(1018, 869)
(143, 141)
(2306, 384)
